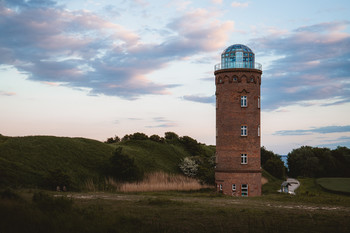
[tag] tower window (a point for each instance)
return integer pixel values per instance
(244, 190)
(243, 101)
(233, 187)
(258, 130)
(244, 159)
(258, 102)
(244, 130)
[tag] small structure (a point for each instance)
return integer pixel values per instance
(289, 186)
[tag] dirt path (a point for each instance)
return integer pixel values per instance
(238, 202)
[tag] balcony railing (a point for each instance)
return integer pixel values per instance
(230, 65)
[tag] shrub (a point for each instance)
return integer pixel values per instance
(123, 168)
(189, 167)
(56, 178)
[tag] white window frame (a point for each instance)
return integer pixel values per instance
(233, 187)
(244, 101)
(244, 190)
(220, 187)
(244, 159)
(244, 130)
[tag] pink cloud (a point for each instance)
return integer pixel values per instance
(7, 93)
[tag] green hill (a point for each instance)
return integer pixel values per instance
(152, 156)
(29, 161)
(35, 160)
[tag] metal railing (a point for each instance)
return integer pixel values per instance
(230, 65)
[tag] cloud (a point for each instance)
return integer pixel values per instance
(217, 1)
(82, 50)
(320, 130)
(200, 99)
(312, 63)
(341, 141)
(162, 123)
(7, 93)
(209, 79)
(239, 4)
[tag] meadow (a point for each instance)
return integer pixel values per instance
(173, 211)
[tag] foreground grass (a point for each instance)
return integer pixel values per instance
(201, 211)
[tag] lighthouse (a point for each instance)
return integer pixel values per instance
(238, 81)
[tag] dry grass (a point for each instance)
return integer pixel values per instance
(89, 185)
(160, 181)
(264, 180)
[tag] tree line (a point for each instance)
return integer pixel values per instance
(317, 162)
(305, 161)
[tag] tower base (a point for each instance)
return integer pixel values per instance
(238, 183)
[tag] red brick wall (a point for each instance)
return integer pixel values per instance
(231, 84)
(227, 179)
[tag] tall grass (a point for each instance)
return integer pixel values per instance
(160, 181)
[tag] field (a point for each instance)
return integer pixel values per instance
(196, 211)
(25, 162)
(339, 185)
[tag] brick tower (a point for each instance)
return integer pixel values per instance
(237, 80)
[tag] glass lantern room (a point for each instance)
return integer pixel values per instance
(238, 56)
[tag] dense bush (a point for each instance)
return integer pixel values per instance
(309, 161)
(272, 163)
(56, 178)
(122, 168)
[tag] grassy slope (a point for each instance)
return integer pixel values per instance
(152, 156)
(25, 161)
(272, 185)
(341, 185)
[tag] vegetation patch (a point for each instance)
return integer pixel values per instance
(341, 185)
(160, 181)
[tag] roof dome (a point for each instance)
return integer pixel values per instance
(239, 48)
(238, 56)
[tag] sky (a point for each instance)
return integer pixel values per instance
(96, 69)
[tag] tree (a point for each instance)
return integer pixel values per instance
(266, 155)
(272, 163)
(156, 138)
(319, 162)
(275, 167)
(113, 140)
(123, 168)
(191, 145)
(138, 136)
(171, 136)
